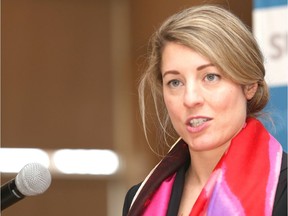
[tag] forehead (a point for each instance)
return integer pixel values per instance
(177, 56)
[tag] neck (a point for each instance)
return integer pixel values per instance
(203, 163)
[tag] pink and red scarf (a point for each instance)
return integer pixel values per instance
(243, 182)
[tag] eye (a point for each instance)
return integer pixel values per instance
(174, 83)
(212, 77)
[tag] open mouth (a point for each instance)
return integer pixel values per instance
(198, 122)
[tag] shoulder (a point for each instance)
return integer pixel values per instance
(283, 171)
(280, 203)
(129, 197)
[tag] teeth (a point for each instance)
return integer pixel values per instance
(197, 122)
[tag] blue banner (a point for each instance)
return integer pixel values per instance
(268, 3)
(277, 109)
(270, 30)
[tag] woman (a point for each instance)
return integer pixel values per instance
(206, 69)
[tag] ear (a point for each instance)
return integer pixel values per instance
(250, 90)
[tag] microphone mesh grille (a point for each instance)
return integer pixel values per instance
(33, 179)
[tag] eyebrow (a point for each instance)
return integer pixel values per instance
(201, 67)
(204, 66)
(170, 72)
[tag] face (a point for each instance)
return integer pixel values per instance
(206, 109)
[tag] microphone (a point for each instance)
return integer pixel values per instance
(33, 179)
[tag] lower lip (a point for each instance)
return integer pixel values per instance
(197, 129)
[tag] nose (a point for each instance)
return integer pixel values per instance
(193, 96)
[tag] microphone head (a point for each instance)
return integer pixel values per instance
(33, 179)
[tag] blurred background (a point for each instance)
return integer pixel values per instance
(69, 75)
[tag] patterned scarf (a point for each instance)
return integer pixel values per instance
(243, 182)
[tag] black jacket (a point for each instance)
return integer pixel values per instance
(280, 202)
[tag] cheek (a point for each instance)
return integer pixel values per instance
(173, 106)
(168, 100)
(170, 105)
(232, 99)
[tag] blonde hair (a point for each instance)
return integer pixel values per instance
(218, 35)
